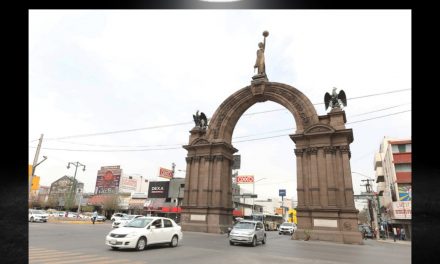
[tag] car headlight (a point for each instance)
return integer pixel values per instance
(132, 234)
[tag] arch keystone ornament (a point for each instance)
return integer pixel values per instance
(324, 183)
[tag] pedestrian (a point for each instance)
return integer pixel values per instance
(66, 214)
(402, 234)
(94, 216)
(364, 234)
(398, 233)
(394, 234)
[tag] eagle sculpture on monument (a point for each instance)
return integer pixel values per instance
(200, 120)
(335, 100)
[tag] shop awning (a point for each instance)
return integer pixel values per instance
(136, 203)
(237, 213)
(154, 204)
(171, 209)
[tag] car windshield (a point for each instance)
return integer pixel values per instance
(139, 222)
(287, 224)
(244, 225)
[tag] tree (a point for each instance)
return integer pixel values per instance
(364, 216)
(111, 203)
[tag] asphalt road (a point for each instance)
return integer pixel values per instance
(84, 243)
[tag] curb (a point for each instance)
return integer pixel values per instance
(408, 243)
(75, 222)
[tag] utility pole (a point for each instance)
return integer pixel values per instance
(35, 163)
(73, 188)
(371, 207)
(173, 166)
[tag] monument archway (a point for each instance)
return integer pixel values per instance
(325, 208)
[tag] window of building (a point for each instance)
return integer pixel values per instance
(401, 148)
(403, 167)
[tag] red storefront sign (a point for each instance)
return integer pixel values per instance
(244, 179)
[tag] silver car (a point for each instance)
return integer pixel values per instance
(248, 232)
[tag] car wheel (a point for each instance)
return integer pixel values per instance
(264, 240)
(174, 241)
(231, 243)
(254, 242)
(115, 248)
(32, 219)
(141, 244)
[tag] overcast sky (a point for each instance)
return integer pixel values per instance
(149, 71)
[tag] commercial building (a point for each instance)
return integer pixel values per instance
(62, 193)
(393, 177)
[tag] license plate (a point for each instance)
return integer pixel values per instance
(113, 242)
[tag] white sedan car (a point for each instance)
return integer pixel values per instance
(144, 231)
(124, 220)
(37, 215)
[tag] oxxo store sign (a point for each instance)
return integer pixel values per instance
(158, 189)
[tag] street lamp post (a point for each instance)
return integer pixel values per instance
(253, 192)
(73, 189)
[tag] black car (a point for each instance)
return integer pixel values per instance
(366, 231)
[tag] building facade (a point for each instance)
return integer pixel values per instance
(62, 192)
(394, 177)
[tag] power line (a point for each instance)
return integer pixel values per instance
(132, 150)
(175, 145)
(186, 123)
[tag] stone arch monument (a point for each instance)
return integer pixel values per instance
(325, 208)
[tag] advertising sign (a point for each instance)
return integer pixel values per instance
(244, 179)
(108, 179)
(128, 184)
(158, 189)
(405, 193)
(282, 192)
(401, 210)
(35, 183)
(166, 173)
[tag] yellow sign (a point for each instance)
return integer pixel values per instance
(30, 171)
(35, 183)
(292, 216)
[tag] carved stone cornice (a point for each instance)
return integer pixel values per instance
(329, 150)
(189, 159)
(312, 150)
(219, 157)
(208, 158)
(197, 159)
(345, 149)
(299, 152)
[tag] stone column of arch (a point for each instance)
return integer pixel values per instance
(324, 185)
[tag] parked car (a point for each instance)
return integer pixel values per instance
(287, 228)
(248, 232)
(37, 216)
(366, 231)
(101, 218)
(117, 216)
(144, 231)
(124, 220)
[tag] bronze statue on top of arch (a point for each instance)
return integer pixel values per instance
(260, 63)
(200, 120)
(335, 100)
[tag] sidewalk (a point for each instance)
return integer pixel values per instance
(390, 240)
